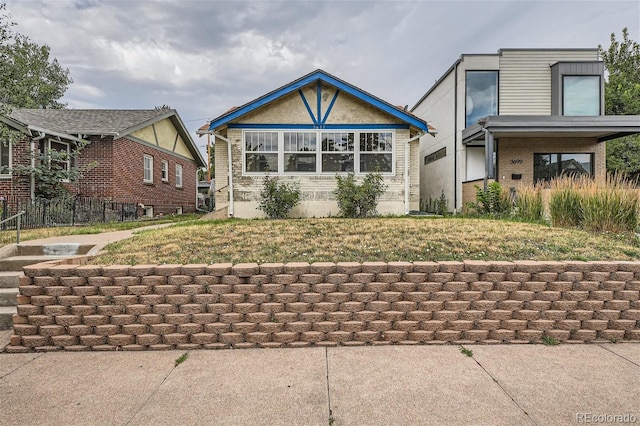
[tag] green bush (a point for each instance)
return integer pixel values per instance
(278, 198)
(359, 200)
(492, 202)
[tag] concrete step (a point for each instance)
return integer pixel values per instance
(8, 296)
(16, 263)
(6, 317)
(10, 279)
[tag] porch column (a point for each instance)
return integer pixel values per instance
(488, 157)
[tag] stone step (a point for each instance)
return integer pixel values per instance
(8, 296)
(16, 263)
(6, 317)
(10, 279)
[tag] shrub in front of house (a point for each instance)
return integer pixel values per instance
(277, 199)
(494, 201)
(359, 200)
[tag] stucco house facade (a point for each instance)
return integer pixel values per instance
(145, 157)
(516, 116)
(308, 131)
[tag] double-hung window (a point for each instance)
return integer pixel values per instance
(261, 151)
(148, 169)
(178, 175)
(56, 154)
(338, 152)
(300, 150)
(318, 151)
(165, 171)
(376, 152)
(5, 159)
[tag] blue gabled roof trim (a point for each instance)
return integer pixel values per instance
(319, 76)
(318, 126)
(306, 104)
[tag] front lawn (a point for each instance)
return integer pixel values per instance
(379, 239)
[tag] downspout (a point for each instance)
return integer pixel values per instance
(406, 170)
(218, 135)
(40, 136)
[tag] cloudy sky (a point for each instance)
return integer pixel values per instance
(202, 57)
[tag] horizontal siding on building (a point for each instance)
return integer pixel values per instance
(525, 78)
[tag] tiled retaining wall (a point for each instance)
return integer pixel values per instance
(84, 307)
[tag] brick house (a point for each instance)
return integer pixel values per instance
(520, 115)
(142, 156)
(307, 132)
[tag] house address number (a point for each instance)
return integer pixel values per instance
(518, 161)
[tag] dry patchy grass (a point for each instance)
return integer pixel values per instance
(380, 239)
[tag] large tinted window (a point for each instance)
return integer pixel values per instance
(548, 166)
(481, 95)
(581, 95)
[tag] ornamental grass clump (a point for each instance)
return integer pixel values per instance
(610, 205)
(564, 204)
(529, 203)
(605, 205)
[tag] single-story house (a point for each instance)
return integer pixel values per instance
(145, 157)
(517, 116)
(308, 131)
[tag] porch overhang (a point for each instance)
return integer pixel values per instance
(602, 128)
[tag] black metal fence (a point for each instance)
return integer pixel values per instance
(69, 211)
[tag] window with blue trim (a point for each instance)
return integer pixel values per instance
(316, 152)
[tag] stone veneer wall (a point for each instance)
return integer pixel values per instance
(86, 307)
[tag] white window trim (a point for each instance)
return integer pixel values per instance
(6, 173)
(178, 175)
(144, 168)
(48, 147)
(165, 171)
(319, 152)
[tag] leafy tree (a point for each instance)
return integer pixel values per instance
(622, 97)
(29, 79)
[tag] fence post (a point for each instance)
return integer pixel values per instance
(4, 212)
(73, 213)
(18, 230)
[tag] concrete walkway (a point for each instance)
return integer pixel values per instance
(372, 385)
(99, 241)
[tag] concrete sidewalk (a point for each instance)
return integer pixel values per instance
(371, 385)
(99, 240)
